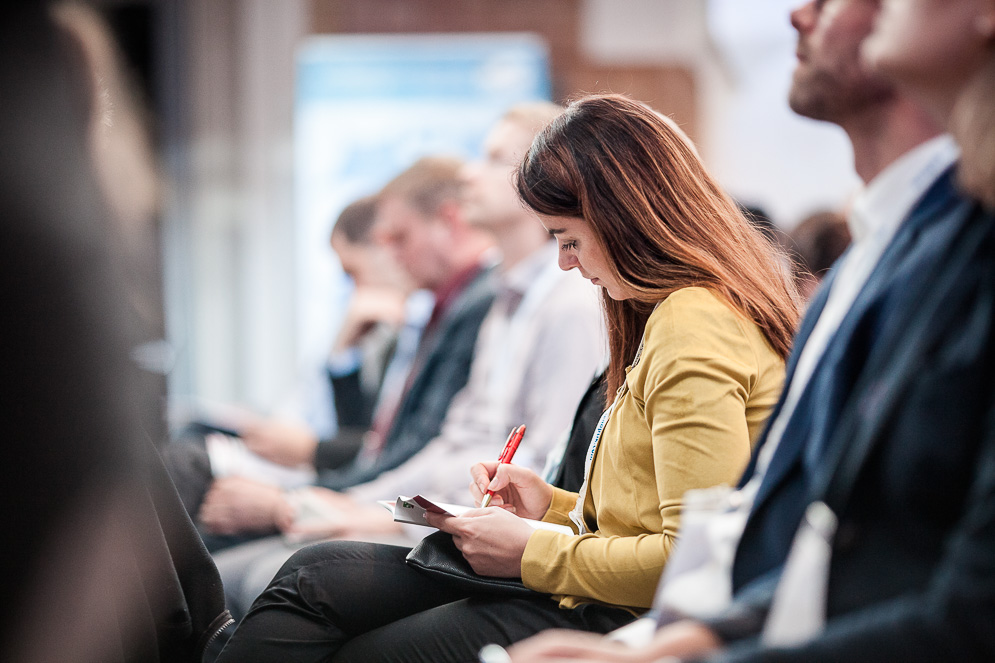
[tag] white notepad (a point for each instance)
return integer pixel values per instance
(412, 510)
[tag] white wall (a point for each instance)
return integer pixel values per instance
(229, 225)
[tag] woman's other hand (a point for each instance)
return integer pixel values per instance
(492, 540)
(516, 489)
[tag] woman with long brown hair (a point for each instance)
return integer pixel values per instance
(700, 312)
(659, 218)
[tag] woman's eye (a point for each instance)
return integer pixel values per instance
(568, 246)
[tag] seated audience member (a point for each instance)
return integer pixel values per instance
(126, 169)
(420, 221)
(868, 524)
(101, 563)
(372, 353)
(816, 243)
(382, 326)
(538, 348)
(374, 348)
(699, 310)
(362, 354)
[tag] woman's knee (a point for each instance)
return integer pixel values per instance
(349, 552)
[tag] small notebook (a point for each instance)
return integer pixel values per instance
(412, 510)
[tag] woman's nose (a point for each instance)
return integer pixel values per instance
(567, 261)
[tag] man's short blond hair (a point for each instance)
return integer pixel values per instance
(533, 116)
(426, 184)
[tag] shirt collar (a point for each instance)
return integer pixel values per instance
(880, 207)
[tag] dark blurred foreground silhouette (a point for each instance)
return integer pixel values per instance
(100, 561)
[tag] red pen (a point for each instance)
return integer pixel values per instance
(510, 447)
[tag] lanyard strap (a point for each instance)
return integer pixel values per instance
(577, 514)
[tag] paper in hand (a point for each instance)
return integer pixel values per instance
(412, 510)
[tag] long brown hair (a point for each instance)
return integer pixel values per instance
(661, 220)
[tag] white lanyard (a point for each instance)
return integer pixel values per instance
(577, 515)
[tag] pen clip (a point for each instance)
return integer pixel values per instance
(507, 444)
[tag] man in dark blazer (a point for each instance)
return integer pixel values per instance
(421, 222)
(886, 416)
(905, 463)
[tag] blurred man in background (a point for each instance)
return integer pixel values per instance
(815, 244)
(420, 220)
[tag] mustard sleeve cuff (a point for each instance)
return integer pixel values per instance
(542, 547)
(559, 509)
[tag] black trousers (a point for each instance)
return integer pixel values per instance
(358, 602)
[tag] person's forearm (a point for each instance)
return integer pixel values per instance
(620, 570)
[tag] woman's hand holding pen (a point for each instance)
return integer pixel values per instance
(492, 540)
(516, 489)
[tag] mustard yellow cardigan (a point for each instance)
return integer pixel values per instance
(687, 418)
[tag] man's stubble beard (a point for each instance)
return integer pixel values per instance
(836, 96)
